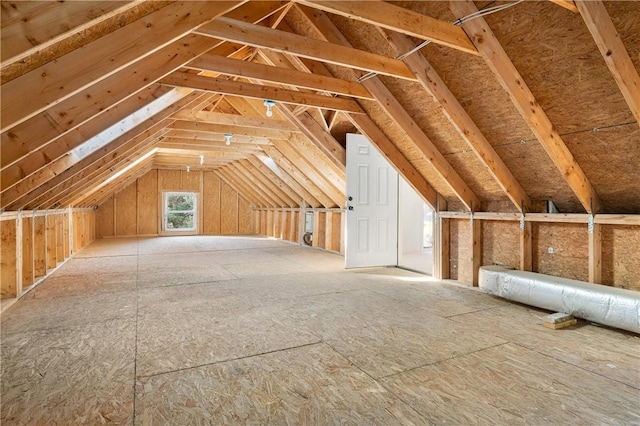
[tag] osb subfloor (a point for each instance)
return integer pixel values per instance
(213, 330)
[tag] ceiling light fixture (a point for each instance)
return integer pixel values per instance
(269, 104)
(227, 138)
(188, 169)
(201, 159)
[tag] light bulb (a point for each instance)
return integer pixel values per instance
(201, 159)
(188, 169)
(269, 104)
(227, 138)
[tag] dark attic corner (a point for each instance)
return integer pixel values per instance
(320, 212)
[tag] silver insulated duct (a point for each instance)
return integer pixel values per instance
(615, 307)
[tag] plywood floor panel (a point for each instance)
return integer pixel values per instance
(512, 385)
(252, 330)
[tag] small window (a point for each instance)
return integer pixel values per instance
(427, 227)
(180, 211)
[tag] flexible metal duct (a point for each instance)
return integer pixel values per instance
(615, 307)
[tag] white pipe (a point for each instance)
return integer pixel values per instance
(612, 306)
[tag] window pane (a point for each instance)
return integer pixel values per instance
(180, 221)
(180, 202)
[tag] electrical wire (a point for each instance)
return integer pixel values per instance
(458, 22)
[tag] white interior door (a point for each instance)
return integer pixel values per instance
(372, 206)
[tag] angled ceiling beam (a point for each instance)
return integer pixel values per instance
(335, 190)
(84, 177)
(526, 103)
(91, 103)
(277, 175)
(55, 81)
(210, 139)
(110, 182)
(241, 188)
(278, 187)
(284, 42)
(396, 111)
(460, 119)
(567, 4)
(256, 91)
(66, 115)
(196, 126)
(39, 158)
(70, 164)
(300, 175)
(613, 51)
(395, 18)
(236, 120)
(241, 173)
(50, 22)
(272, 74)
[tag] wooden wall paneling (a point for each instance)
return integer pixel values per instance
(246, 223)
(269, 223)
(147, 203)
(170, 180)
(211, 204)
(39, 245)
(561, 249)
(190, 181)
(295, 228)
(277, 224)
(9, 275)
(500, 243)
(59, 236)
(336, 231)
(319, 228)
(28, 269)
(621, 256)
(51, 241)
(229, 210)
(105, 219)
(127, 211)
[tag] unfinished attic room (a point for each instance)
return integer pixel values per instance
(320, 212)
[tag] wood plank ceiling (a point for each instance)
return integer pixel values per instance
(499, 108)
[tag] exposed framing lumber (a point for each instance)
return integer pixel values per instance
(39, 158)
(613, 51)
(399, 19)
(221, 129)
(296, 173)
(567, 4)
(245, 177)
(236, 120)
(460, 119)
(595, 254)
(526, 247)
(241, 188)
(278, 187)
(279, 177)
(136, 124)
(335, 190)
(284, 42)
(273, 74)
(394, 109)
(526, 103)
(476, 250)
(97, 158)
(51, 83)
(256, 91)
(334, 152)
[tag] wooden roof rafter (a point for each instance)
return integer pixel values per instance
(511, 80)
(394, 109)
(613, 51)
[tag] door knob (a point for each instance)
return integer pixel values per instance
(350, 198)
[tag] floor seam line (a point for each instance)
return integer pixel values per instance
(232, 359)
(575, 365)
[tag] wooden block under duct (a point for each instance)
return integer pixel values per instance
(558, 320)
